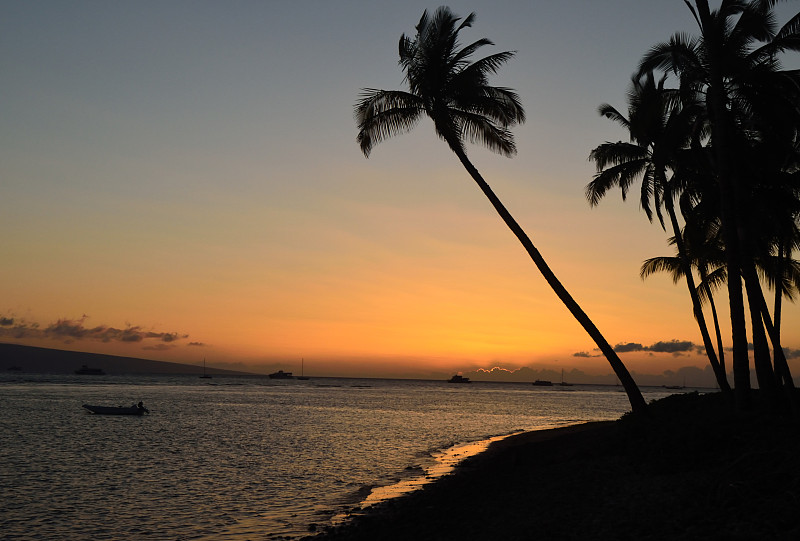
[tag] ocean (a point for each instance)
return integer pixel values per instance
(246, 458)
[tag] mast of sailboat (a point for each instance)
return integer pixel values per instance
(302, 369)
(204, 376)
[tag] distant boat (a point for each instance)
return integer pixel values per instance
(301, 376)
(564, 383)
(542, 383)
(280, 374)
(118, 410)
(14, 369)
(459, 379)
(86, 371)
(205, 376)
(675, 387)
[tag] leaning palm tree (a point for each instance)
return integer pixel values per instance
(454, 93)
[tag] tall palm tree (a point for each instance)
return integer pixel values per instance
(660, 126)
(725, 63)
(453, 91)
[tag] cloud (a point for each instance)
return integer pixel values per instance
(673, 346)
(494, 370)
(70, 330)
(585, 354)
(791, 353)
(198, 344)
(630, 346)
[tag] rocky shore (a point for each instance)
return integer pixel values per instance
(694, 470)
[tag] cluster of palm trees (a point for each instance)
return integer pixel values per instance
(704, 144)
(723, 145)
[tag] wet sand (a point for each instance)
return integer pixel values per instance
(695, 470)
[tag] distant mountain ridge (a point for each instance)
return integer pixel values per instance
(56, 361)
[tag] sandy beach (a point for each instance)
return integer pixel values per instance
(695, 470)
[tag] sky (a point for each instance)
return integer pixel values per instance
(181, 181)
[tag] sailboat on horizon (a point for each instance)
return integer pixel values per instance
(204, 375)
(302, 376)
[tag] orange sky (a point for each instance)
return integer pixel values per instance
(194, 175)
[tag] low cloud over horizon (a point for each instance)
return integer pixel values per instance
(69, 330)
(673, 347)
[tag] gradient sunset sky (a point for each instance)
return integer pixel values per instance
(181, 180)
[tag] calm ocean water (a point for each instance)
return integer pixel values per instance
(241, 458)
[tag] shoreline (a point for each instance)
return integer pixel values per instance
(694, 471)
(445, 461)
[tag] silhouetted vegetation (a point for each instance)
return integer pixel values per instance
(722, 142)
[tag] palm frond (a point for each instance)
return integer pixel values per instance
(500, 105)
(477, 128)
(713, 281)
(780, 274)
(611, 113)
(381, 114)
(678, 55)
(467, 21)
(670, 265)
(621, 175)
(786, 39)
(480, 69)
(613, 154)
(461, 56)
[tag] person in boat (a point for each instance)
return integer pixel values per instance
(141, 407)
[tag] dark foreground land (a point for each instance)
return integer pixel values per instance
(694, 471)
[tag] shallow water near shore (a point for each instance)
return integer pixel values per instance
(244, 458)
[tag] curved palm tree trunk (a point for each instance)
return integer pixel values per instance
(782, 371)
(778, 289)
(774, 330)
(717, 331)
(761, 356)
(719, 372)
(638, 405)
(767, 377)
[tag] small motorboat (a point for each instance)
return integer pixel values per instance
(280, 374)
(459, 379)
(135, 409)
(543, 383)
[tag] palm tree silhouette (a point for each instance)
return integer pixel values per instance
(705, 252)
(734, 63)
(660, 125)
(454, 92)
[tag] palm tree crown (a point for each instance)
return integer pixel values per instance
(445, 85)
